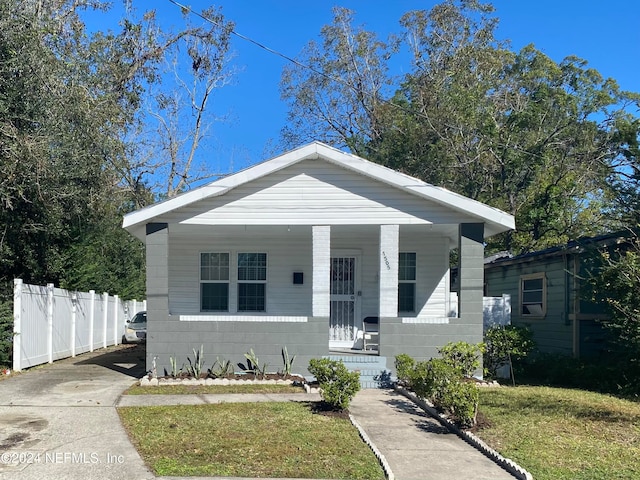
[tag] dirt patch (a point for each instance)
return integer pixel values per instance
(323, 408)
(482, 422)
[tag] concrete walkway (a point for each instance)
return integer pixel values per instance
(416, 446)
(60, 421)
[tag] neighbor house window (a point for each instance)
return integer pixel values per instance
(533, 295)
(214, 282)
(407, 282)
(252, 282)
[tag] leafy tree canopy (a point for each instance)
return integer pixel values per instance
(79, 112)
(552, 143)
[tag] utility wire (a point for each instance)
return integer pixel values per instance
(290, 59)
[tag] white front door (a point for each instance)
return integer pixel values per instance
(343, 291)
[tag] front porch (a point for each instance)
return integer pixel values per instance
(320, 284)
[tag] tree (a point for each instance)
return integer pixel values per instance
(73, 119)
(617, 284)
(335, 98)
(515, 130)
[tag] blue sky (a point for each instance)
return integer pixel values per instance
(605, 33)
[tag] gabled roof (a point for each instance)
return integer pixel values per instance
(496, 221)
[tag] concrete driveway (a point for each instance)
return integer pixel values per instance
(60, 421)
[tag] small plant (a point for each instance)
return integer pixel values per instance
(253, 365)
(288, 362)
(504, 344)
(405, 367)
(338, 385)
(463, 356)
(194, 368)
(460, 401)
(221, 368)
(175, 372)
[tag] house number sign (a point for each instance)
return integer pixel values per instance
(386, 260)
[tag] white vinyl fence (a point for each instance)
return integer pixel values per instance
(495, 310)
(51, 323)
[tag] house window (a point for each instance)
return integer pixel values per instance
(407, 282)
(252, 282)
(533, 295)
(214, 282)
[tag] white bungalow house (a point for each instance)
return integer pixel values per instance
(298, 250)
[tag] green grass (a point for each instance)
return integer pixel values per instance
(558, 433)
(212, 389)
(274, 439)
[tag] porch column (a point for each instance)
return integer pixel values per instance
(389, 250)
(157, 249)
(321, 238)
(471, 271)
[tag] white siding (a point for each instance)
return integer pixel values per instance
(432, 286)
(284, 256)
(291, 251)
(315, 193)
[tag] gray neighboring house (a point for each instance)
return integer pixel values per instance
(549, 294)
(299, 250)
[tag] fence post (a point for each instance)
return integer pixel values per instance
(105, 318)
(17, 324)
(116, 311)
(50, 321)
(74, 313)
(92, 316)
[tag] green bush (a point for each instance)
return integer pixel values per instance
(610, 373)
(463, 356)
(506, 344)
(405, 366)
(440, 380)
(460, 400)
(338, 385)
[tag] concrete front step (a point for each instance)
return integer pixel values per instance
(372, 368)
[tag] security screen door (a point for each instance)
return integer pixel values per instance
(343, 302)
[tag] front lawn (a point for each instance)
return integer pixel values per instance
(273, 439)
(558, 433)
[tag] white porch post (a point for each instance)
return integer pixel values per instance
(321, 238)
(389, 250)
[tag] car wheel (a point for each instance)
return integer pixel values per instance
(124, 339)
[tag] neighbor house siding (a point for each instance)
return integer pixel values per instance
(553, 332)
(290, 197)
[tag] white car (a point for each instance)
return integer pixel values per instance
(135, 330)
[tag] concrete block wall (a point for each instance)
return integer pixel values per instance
(422, 340)
(230, 340)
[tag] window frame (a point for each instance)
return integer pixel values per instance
(543, 291)
(214, 281)
(404, 281)
(252, 281)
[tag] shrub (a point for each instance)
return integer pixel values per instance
(460, 400)
(338, 385)
(405, 366)
(441, 381)
(504, 345)
(463, 356)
